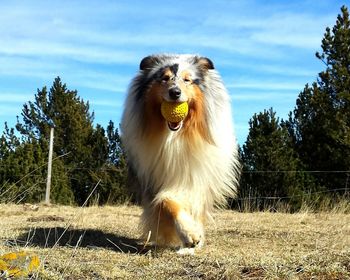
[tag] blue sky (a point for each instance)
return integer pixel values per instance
(264, 50)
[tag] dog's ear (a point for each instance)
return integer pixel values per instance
(148, 62)
(205, 63)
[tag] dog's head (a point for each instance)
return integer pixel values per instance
(176, 75)
(173, 78)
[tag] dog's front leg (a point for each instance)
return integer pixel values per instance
(188, 230)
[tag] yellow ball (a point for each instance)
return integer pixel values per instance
(174, 112)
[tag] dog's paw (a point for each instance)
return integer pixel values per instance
(186, 251)
(190, 232)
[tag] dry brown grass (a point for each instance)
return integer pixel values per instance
(101, 243)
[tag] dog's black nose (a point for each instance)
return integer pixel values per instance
(174, 93)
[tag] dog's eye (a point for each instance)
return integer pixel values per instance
(187, 80)
(165, 78)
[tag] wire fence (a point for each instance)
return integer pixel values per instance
(38, 176)
(297, 171)
(291, 197)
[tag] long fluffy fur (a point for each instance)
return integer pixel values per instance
(181, 175)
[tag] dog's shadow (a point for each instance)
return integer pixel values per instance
(85, 238)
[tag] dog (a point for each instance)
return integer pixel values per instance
(182, 170)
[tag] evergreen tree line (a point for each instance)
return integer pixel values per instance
(306, 158)
(303, 159)
(84, 155)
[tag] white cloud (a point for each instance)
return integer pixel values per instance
(286, 70)
(276, 28)
(106, 103)
(96, 46)
(80, 52)
(14, 97)
(9, 111)
(263, 96)
(103, 80)
(266, 85)
(44, 33)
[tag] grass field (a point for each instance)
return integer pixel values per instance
(101, 243)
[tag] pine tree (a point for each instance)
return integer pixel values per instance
(269, 164)
(113, 173)
(23, 175)
(74, 133)
(116, 153)
(320, 122)
(83, 155)
(67, 112)
(9, 141)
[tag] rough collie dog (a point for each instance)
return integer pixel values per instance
(182, 170)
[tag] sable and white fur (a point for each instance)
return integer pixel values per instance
(181, 175)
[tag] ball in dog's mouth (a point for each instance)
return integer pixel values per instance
(174, 113)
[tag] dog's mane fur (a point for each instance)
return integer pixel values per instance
(198, 165)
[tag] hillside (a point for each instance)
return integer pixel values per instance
(101, 243)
